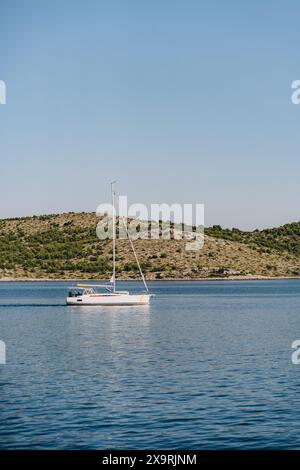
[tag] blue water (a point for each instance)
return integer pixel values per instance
(206, 366)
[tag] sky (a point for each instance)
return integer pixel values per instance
(179, 101)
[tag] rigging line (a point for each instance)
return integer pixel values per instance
(113, 194)
(135, 255)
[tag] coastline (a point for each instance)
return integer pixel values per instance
(227, 278)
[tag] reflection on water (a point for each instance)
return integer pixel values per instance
(206, 365)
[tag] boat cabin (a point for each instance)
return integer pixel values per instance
(79, 291)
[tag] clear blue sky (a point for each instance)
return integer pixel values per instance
(180, 101)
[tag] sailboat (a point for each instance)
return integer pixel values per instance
(90, 294)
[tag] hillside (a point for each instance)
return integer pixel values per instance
(65, 246)
(284, 238)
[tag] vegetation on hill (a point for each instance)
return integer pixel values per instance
(66, 246)
(283, 239)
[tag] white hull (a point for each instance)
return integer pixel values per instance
(109, 299)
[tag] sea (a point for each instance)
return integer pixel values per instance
(207, 365)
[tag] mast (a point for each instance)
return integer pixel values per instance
(112, 184)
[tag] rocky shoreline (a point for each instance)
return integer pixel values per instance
(225, 278)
